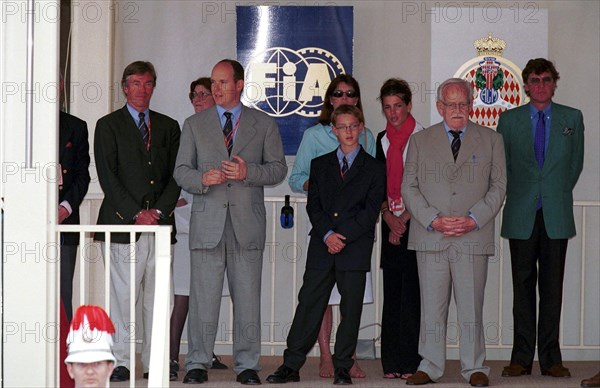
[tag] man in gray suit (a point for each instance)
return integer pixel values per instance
(454, 185)
(228, 153)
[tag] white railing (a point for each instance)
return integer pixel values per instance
(284, 260)
(160, 327)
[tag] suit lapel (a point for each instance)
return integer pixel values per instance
(245, 132)
(522, 129)
(65, 132)
(440, 144)
(469, 145)
(213, 131)
(130, 126)
(334, 170)
(355, 169)
(557, 124)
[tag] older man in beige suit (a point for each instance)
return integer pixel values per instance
(454, 185)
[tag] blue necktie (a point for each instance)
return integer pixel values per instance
(539, 143)
(539, 146)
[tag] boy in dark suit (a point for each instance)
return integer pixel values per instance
(345, 191)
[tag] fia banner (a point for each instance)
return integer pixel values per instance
(290, 55)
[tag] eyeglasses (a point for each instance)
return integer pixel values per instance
(537, 81)
(454, 105)
(348, 93)
(202, 95)
(351, 127)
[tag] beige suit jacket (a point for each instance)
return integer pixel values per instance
(434, 185)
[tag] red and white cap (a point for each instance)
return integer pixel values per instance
(90, 336)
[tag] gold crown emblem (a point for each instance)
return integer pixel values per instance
(490, 46)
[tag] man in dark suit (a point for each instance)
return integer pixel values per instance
(135, 151)
(345, 191)
(73, 182)
(544, 157)
(228, 154)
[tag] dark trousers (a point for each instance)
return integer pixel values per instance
(312, 302)
(540, 260)
(68, 255)
(401, 317)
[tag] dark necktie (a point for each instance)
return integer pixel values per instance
(143, 128)
(228, 132)
(539, 143)
(344, 167)
(455, 146)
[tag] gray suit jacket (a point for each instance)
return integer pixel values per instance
(434, 184)
(202, 148)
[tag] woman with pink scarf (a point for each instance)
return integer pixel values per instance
(401, 298)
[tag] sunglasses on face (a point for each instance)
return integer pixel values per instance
(348, 93)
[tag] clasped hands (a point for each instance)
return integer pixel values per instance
(453, 226)
(235, 169)
(397, 226)
(147, 217)
(335, 243)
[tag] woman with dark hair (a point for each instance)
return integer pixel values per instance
(200, 95)
(401, 297)
(316, 141)
(201, 98)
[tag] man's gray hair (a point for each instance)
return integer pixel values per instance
(455, 81)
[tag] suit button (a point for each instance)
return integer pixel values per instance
(335, 214)
(150, 163)
(225, 205)
(64, 171)
(151, 182)
(229, 185)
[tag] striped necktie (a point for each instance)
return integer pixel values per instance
(143, 128)
(344, 167)
(455, 146)
(228, 132)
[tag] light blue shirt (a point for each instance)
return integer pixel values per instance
(136, 116)
(236, 112)
(533, 115)
(450, 136)
(316, 141)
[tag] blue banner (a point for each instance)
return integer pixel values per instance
(290, 55)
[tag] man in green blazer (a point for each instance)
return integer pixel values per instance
(135, 150)
(544, 157)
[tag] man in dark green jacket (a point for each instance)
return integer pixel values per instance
(544, 157)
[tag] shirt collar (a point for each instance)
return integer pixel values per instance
(136, 115)
(236, 112)
(350, 156)
(448, 129)
(533, 111)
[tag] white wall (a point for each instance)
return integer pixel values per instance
(184, 39)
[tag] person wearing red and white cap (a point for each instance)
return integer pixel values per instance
(90, 360)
